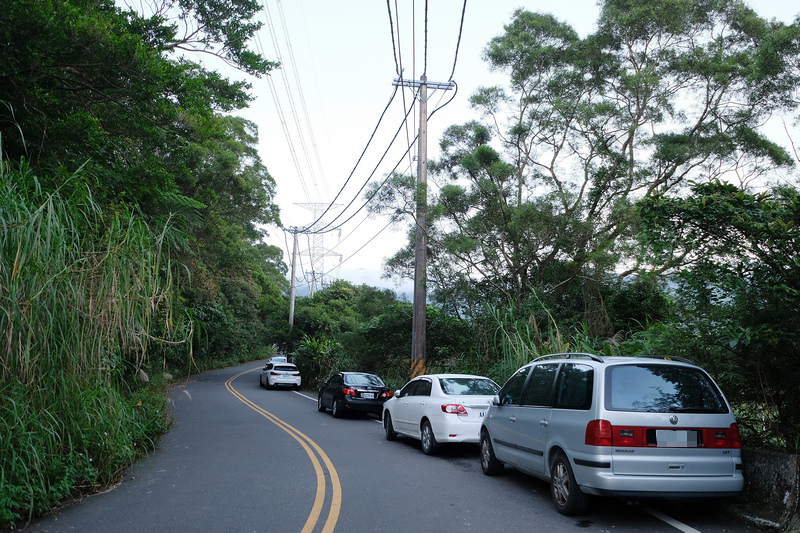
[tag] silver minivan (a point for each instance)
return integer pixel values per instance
(630, 427)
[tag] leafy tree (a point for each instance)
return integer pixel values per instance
(339, 307)
(102, 88)
(739, 298)
(114, 91)
(541, 197)
(125, 140)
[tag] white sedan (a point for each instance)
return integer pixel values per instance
(439, 408)
(279, 375)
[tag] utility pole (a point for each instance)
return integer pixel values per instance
(420, 310)
(293, 282)
(418, 335)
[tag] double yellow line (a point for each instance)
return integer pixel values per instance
(310, 447)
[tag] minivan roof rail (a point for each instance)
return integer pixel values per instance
(570, 356)
(670, 358)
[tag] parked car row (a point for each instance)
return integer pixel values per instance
(627, 427)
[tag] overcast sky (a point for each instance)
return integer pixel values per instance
(316, 114)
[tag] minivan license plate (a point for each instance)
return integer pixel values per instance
(676, 438)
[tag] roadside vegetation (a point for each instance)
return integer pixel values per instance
(617, 196)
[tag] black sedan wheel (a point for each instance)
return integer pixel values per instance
(320, 405)
(337, 409)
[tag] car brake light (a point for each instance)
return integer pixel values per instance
(602, 433)
(349, 392)
(598, 433)
(722, 438)
(274, 374)
(386, 394)
(628, 437)
(736, 439)
(454, 408)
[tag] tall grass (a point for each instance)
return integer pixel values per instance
(81, 291)
(520, 339)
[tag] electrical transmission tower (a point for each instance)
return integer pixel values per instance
(317, 250)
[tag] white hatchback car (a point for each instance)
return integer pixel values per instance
(439, 408)
(280, 375)
(629, 427)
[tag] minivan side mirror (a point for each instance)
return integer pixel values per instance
(495, 400)
(397, 393)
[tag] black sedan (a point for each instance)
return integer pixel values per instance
(353, 391)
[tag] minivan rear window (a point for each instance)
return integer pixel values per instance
(662, 389)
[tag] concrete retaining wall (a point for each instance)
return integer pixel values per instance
(771, 494)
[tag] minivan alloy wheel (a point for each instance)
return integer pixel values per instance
(567, 495)
(490, 464)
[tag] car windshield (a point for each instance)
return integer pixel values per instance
(286, 368)
(363, 380)
(468, 386)
(662, 389)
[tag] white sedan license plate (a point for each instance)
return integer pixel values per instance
(368, 395)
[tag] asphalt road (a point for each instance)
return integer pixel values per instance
(244, 459)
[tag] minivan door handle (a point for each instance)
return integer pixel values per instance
(512, 419)
(543, 423)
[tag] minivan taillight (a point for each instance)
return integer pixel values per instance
(736, 439)
(628, 437)
(723, 438)
(598, 433)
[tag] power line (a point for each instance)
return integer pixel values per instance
(356, 166)
(399, 66)
(397, 53)
(391, 30)
(289, 92)
(362, 247)
(458, 42)
(309, 127)
(284, 125)
(325, 228)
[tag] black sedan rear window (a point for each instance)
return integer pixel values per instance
(363, 380)
(662, 389)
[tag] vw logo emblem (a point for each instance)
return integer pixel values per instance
(673, 419)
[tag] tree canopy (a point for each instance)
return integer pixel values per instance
(541, 196)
